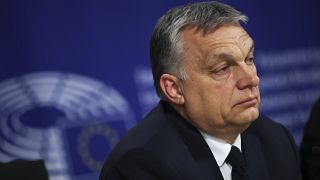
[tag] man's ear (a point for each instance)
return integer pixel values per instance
(170, 87)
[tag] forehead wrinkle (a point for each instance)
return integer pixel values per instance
(233, 40)
(216, 45)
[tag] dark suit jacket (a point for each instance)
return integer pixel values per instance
(310, 146)
(165, 146)
(23, 169)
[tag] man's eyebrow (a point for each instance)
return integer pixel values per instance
(224, 57)
(218, 58)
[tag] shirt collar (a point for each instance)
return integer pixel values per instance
(219, 148)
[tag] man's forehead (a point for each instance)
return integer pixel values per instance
(242, 40)
(227, 33)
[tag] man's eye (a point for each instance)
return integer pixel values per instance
(250, 61)
(222, 70)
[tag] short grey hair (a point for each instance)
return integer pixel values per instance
(165, 50)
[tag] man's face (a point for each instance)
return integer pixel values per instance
(221, 93)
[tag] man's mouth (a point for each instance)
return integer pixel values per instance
(248, 102)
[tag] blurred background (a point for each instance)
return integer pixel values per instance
(75, 75)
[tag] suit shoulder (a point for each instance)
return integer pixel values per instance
(140, 163)
(278, 146)
(151, 134)
(271, 133)
(265, 125)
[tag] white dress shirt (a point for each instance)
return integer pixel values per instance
(220, 150)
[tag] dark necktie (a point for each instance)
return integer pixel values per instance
(236, 160)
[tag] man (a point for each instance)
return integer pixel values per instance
(310, 146)
(207, 125)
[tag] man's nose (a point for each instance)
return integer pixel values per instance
(247, 77)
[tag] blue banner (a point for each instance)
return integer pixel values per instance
(75, 75)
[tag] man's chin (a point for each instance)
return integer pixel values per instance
(254, 115)
(249, 115)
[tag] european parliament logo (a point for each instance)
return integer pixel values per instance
(70, 121)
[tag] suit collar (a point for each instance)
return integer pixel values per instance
(254, 157)
(196, 144)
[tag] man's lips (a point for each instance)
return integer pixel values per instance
(252, 101)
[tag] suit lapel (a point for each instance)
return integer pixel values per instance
(203, 156)
(199, 149)
(254, 157)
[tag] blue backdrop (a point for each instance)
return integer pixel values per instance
(75, 76)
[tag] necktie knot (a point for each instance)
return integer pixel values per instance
(237, 161)
(235, 157)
